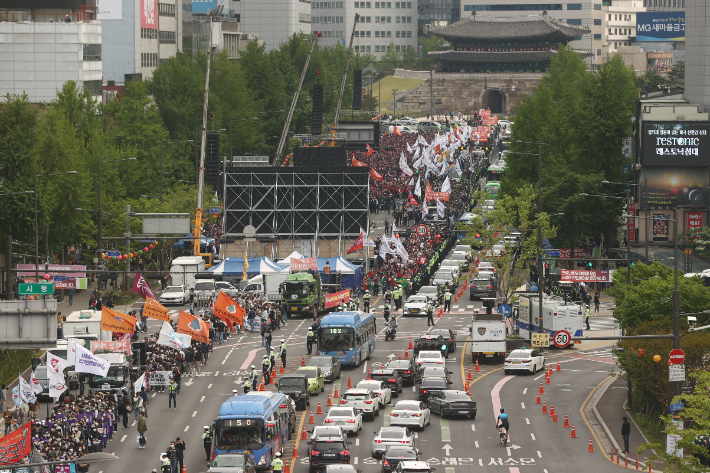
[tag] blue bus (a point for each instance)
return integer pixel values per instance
(258, 423)
(349, 336)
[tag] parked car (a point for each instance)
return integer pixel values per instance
(227, 288)
(452, 403)
(174, 295)
(329, 365)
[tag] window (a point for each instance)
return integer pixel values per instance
(167, 37)
(147, 33)
(409, 19)
(397, 35)
(597, 22)
(377, 4)
(609, 16)
(377, 34)
(389, 19)
(389, 34)
(396, 5)
(92, 52)
(377, 19)
(597, 36)
(368, 18)
(368, 47)
(368, 4)
(515, 7)
(389, 4)
(597, 6)
(574, 6)
(396, 18)
(166, 9)
(397, 49)
(93, 86)
(377, 49)
(357, 5)
(609, 31)
(304, 18)
(409, 34)
(357, 49)
(149, 59)
(409, 4)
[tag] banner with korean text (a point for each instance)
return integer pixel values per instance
(337, 298)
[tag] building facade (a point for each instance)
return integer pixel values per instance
(433, 11)
(272, 21)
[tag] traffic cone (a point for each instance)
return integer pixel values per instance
(649, 466)
(551, 371)
(273, 373)
(566, 424)
(368, 373)
(456, 299)
(184, 470)
(261, 388)
(542, 390)
(637, 461)
(330, 402)
(544, 407)
(320, 409)
(303, 361)
(469, 376)
(282, 371)
(310, 419)
(295, 451)
(304, 435)
(350, 385)
(558, 366)
(612, 454)
(286, 469)
(335, 394)
(554, 417)
(591, 446)
(537, 401)
(477, 369)
(400, 356)
(406, 353)
(466, 386)
(573, 435)
(410, 343)
(441, 311)
(547, 380)
(552, 409)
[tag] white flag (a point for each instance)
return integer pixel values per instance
(425, 210)
(71, 351)
(403, 254)
(404, 166)
(416, 154)
(172, 339)
(35, 384)
(27, 394)
(458, 169)
(87, 362)
(57, 384)
(409, 148)
(383, 251)
(440, 209)
(446, 185)
(394, 229)
(418, 188)
(56, 364)
(140, 383)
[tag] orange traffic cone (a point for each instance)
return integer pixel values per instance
(591, 446)
(184, 470)
(554, 417)
(566, 424)
(400, 356)
(466, 386)
(311, 420)
(406, 353)
(477, 369)
(637, 461)
(551, 371)
(558, 366)
(469, 376)
(304, 435)
(573, 435)
(547, 380)
(282, 371)
(544, 407)
(261, 388)
(537, 401)
(273, 373)
(330, 402)
(456, 299)
(542, 390)
(410, 343)
(295, 451)
(350, 385)
(320, 409)
(441, 311)
(552, 409)
(335, 394)
(286, 468)
(303, 361)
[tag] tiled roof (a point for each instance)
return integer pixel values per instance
(489, 28)
(491, 57)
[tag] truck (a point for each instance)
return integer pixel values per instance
(184, 269)
(86, 325)
(118, 378)
(268, 284)
(488, 337)
(557, 315)
(304, 292)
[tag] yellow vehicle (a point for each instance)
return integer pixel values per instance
(316, 380)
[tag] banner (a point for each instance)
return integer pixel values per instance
(141, 287)
(149, 14)
(228, 310)
(193, 326)
(27, 392)
(304, 264)
(446, 185)
(418, 187)
(368, 153)
(71, 351)
(122, 346)
(366, 240)
(160, 378)
(56, 364)
(578, 253)
(585, 276)
(52, 270)
(429, 194)
(86, 362)
(632, 222)
(375, 175)
(357, 244)
(155, 310)
(440, 209)
(140, 383)
(16, 445)
(359, 164)
(114, 321)
(333, 300)
(695, 220)
(172, 339)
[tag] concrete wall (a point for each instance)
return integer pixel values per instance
(697, 66)
(274, 21)
(407, 74)
(119, 44)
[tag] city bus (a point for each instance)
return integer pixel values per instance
(349, 336)
(257, 423)
(494, 173)
(493, 188)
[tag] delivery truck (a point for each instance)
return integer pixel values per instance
(488, 337)
(184, 269)
(556, 316)
(85, 325)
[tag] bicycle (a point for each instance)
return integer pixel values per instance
(503, 436)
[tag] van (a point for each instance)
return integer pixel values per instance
(184, 269)
(429, 126)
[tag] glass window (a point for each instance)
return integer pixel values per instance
(377, 4)
(368, 35)
(512, 7)
(396, 19)
(368, 18)
(377, 49)
(377, 34)
(409, 19)
(92, 52)
(397, 35)
(368, 5)
(597, 6)
(389, 19)
(357, 4)
(397, 49)
(409, 4)
(574, 6)
(396, 5)
(167, 37)
(389, 4)
(166, 9)
(574, 21)
(409, 34)
(377, 19)
(597, 22)
(597, 36)
(368, 47)
(389, 34)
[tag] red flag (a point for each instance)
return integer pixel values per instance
(412, 200)
(357, 244)
(375, 175)
(16, 445)
(396, 131)
(437, 150)
(141, 287)
(369, 151)
(358, 164)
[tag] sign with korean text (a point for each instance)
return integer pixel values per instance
(335, 299)
(160, 378)
(578, 253)
(121, 346)
(676, 144)
(53, 270)
(676, 372)
(15, 446)
(149, 14)
(660, 26)
(695, 220)
(540, 340)
(203, 6)
(25, 289)
(632, 222)
(584, 276)
(304, 264)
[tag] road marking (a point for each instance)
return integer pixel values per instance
(217, 373)
(522, 404)
(480, 461)
(539, 454)
(209, 386)
(186, 427)
(357, 442)
(525, 390)
(473, 427)
(202, 398)
(539, 377)
(445, 431)
(124, 437)
(364, 367)
(450, 470)
(527, 421)
(355, 462)
(154, 394)
(250, 358)
(532, 435)
(414, 389)
(514, 469)
(495, 396)
(584, 417)
(194, 414)
(476, 442)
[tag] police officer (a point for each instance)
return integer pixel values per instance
(447, 301)
(282, 353)
(172, 395)
(388, 296)
(272, 355)
(387, 311)
(429, 314)
(246, 385)
(310, 338)
(397, 296)
(207, 441)
(587, 314)
(254, 376)
(278, 462)
(265, 368)
(366, 301)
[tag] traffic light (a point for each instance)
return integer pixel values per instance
(589, 264)
(633, 263)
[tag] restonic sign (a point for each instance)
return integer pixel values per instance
(676, 144)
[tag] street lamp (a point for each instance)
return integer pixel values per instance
(161, 162)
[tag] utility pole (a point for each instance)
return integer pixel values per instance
(676, 298)
(9, 293)
(431, 89)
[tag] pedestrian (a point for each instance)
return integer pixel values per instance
(198, 362)
(7, 416)
(263, 332)
(71, 292)
(172, 457)
(310, 338)
(429, 314)
(587, 313)
(142, 429)
(251, 317)
(447, 300)
(625, 432)
(207, 442)
(146, 400)
(180, 449)
(125, 409)
(596, 302)
(172, 394)
(366, 301)
(387, 311)
(268, 341)
(177, 376)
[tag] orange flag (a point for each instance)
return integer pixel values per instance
(113, 321)
(193, 326)
(375, 175)
(396, 131)
(155, 310)
(226, 309)
(368, 150)
(358, 164)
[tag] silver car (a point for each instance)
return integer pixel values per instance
(413, 413)
(415, 305)
(379, 388)
(388, 436)
(363, 399)
(349, 418)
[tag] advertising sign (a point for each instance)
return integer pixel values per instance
(682, 187)
(695, 220)
(585, 276)
(149, 14)
(52, 270)
(660, 26)
(660, 227)
(676, 144)
(578, 253)
(202, 6)
(109, 9)
(632, 222)
(540, 340)
(335, 299)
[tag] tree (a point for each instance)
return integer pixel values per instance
(677, 73)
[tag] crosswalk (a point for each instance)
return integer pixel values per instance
(602, 353)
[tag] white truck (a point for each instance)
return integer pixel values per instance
(184, 268)
(85, 325)
(488, 337)
(268, 284)
(556, 316)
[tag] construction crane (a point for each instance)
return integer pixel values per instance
(197, 231)
(287, 125)
(342, 84)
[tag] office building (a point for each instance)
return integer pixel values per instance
(272, 21)
(433, 12)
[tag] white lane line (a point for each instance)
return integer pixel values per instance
(217, 373)
(544, 471)
(476, 442)
(473, 427)
(414, 389)
(522, 404)
(539, 454)
(202, 398)
(186, 427)
(527, 421)
(540, 376)
(153, 394)
(525, 390)
(480, 462)
(209, 386)
(364, 367)
(124, 437)
(357, 442)
(194, 414)
(532, 435)
(355, 462)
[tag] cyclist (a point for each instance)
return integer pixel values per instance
(502, 421)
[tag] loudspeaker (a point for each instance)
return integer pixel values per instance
(357, 90)
(317, 122)
(212, 159)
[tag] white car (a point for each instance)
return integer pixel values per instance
(430, 358)
(363, 399)
(415, 305)
(174, 295)
(389, 436)
(486, 266)
(451, 265)
(524, 360)
(349, 418)
(227, 288)
(379, 388)
(410, 413)
(413, 467)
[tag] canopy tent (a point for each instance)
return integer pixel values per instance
(287, 260)
(204, 241)
(235, 266)
(350, 274)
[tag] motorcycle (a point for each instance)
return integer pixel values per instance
(391, 329)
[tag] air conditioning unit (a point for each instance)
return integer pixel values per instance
(81, 330)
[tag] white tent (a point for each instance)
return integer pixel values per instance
(287, 260)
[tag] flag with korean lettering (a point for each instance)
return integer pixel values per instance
(16, 445)
(193, 326)
(155, 310)
(228, 310)
(114, 321)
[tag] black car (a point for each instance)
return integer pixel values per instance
(296, 386)
(448, 334)
(429, 372)
(430, 342)
(393, 455)
(407, 369)
(329, 365)
(324, 452)
(431, 385)
(452, 403)
(481, 287)
(391, 377)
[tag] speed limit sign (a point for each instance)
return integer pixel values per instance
(562, 338)
(421, 230)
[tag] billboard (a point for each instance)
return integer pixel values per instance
(685, 187)
(203, 6)
(109, 9)
(149, 14)
(676, 144)
(660, 26)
